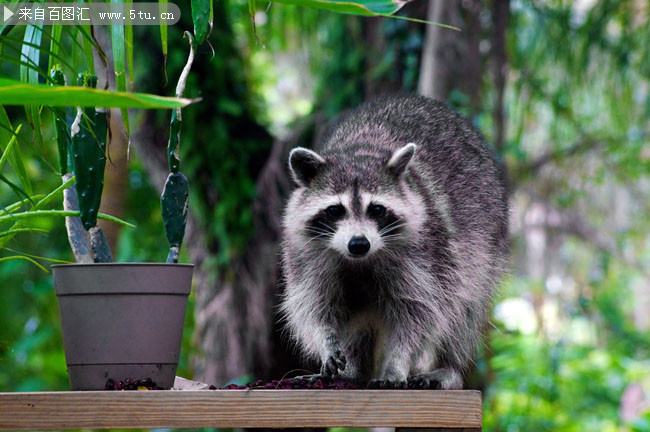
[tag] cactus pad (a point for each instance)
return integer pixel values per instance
(174, 201)
(89, 157)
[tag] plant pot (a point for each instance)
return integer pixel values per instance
(122, 320)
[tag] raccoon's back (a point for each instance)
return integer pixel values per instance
(452, 157)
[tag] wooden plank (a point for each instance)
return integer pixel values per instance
(241, 409)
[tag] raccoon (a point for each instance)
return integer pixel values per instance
(393, 243)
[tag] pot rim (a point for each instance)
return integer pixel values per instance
(134, 264)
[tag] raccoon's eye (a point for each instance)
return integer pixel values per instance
(376, 210)
(335, 211)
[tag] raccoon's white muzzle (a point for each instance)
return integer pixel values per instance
(355, 241)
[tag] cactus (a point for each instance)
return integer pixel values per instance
(175, 195)
(88, 149)
(89, 156)
(77, 235)
(174, 201)
(61, 127)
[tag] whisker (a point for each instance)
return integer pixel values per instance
(328, 227)
(390, 225)
(317, 231)
(391, 229)
(318, 237)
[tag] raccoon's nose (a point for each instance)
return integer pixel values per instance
(359, 246)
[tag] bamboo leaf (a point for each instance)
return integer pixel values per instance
(385, 8)
(119, 60)
(128, 39)
(163, 36)
(88, 43)
(15, 157)
(24, 258)
(31, 53)
(18, 204)
(55, 45)
(16, 93)
(46, 200)
(54, 260)
(17, 190)
(360, 7)
(53, 53)
(14, 60)
(15, 231)
(7, 150)
(58, 213)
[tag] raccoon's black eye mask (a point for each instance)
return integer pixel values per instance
(376, 210)
(335, 212)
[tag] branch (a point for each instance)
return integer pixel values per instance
(523, 172)
(573, 223)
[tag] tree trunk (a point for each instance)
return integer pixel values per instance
(432, 68)
(116, 171)
(115, 180)
(450, 59)
(500, 17)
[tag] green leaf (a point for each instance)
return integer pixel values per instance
(18, 204)
(15, 60)
(55, 44)
(54, 260)
(59, 213)
(31, 54)
(53, 52)
(128, 39)
(202, 18)
(15, 158)
(16, 93)
(119, 60)
(360, 7)
(385, 8)
(46, 199)
(7, 150)
(15, 231)
(17, 190)
(24, 258)
(163, 35)
(88, 43)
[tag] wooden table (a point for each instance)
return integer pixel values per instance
(434, 410)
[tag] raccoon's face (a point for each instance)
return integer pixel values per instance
(356, 221)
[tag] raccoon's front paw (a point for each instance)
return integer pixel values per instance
(438, 379)
(387, 384)
(333, 364)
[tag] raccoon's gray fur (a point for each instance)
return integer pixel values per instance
(393, 243)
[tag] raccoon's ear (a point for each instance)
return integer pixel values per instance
(400, 159)
(304, 165)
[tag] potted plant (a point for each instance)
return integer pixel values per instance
(120, 321)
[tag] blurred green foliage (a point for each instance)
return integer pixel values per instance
(578, 92)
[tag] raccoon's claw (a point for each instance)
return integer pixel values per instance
(387, 384)
(333, 364)
(423, 382)
(438, 379)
